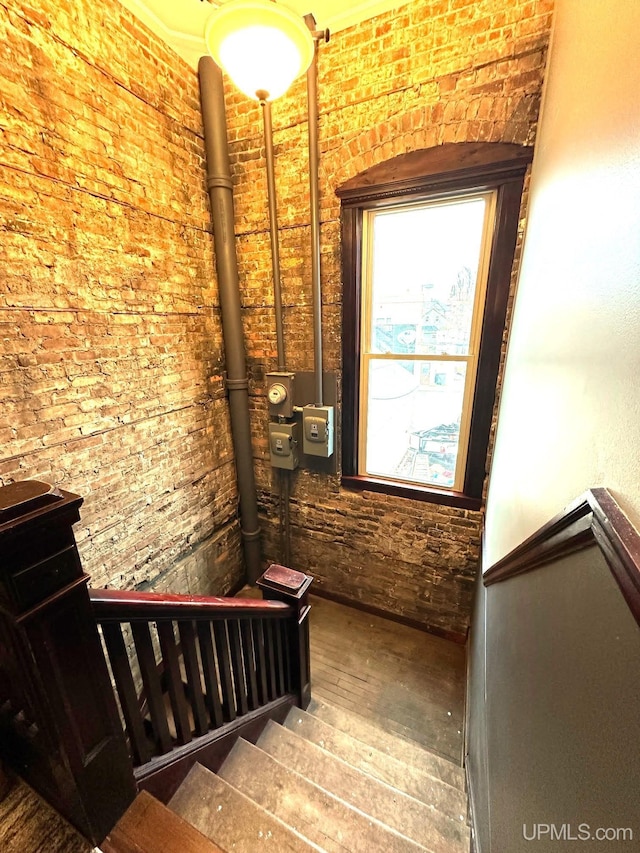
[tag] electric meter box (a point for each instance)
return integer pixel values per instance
(283, 445)
(280, 394)
(317, 430)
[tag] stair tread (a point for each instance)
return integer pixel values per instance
(148, 826)
(231, 819)
(419, 821)
(312, 811)
(420, 783)
(406, 751)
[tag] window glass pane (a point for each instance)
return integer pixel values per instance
(413, 419)
(424, 266)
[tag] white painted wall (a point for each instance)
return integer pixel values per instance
(570, 411)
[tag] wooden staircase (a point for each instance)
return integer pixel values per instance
(128, 700)
(324, 780)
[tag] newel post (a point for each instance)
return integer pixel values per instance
(59, 723)
(282, 584)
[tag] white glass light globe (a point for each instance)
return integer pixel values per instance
(262, 46)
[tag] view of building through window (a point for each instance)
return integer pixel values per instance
(423, 277)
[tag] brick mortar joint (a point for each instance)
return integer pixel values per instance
(415, 86)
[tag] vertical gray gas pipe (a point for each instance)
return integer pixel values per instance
(220, 188)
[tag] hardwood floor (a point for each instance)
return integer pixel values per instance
(399, 678)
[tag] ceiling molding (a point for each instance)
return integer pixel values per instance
(187, 45)
(187, 38)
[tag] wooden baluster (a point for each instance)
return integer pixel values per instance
(250, 663)
(224, 666)
(121, 669)
(152, 685)
(269, 626)
(194, 683)
(261, 658)
(175, 685)
(288, 664)
(212, 696)
(235, 645)
(280, 675)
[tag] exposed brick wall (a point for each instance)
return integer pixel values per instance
(110, 338)
(427, 73)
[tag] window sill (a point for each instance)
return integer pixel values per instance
(415, 493)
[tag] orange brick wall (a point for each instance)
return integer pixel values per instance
(427, 73)
(110, 343)
(110, 339)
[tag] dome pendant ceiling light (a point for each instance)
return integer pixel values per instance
(261, 45)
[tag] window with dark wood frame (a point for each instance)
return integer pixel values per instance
(447, 171)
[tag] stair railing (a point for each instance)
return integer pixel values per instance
(182, 677)
(200, 663)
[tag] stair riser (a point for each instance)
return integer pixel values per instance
(230, 819)
(420, 822)
(410, 780)
(314, 813)
(408, 752)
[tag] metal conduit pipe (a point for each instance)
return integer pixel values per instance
(220, 188)
(283, 476)
(273, 226)
(312, 102)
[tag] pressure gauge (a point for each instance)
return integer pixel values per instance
(277, 394)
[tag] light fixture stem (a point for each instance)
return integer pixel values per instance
(273, 229)
(314, 199)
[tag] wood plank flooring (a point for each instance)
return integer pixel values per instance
(399, 678)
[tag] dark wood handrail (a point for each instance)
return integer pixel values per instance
(189, 669)
(594, 518)
(114, 605)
